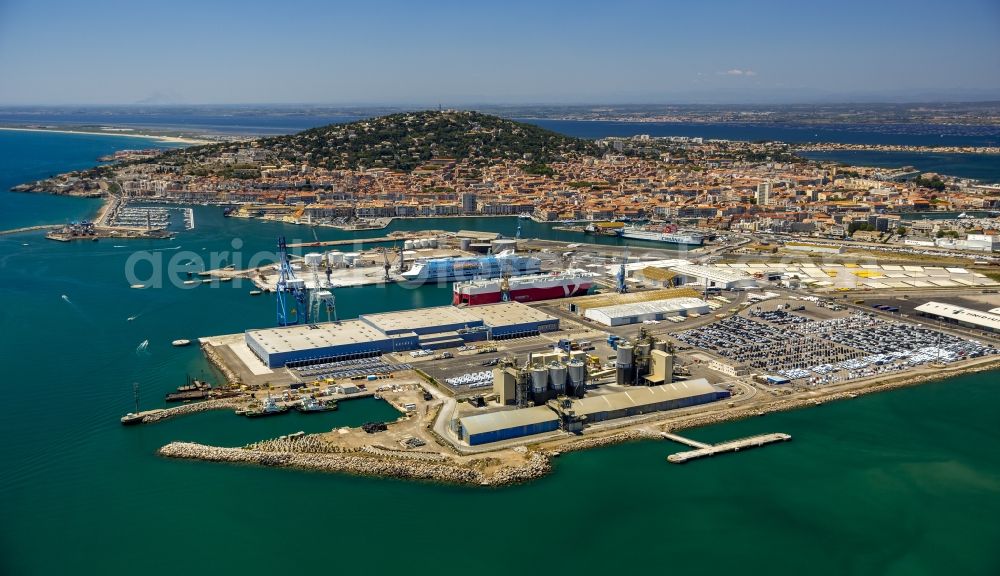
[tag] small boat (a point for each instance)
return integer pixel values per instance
(312, 406)
(255, 292)
(225, 279)
(138, 286)
(181, 342)
(270, 408)
(192, 282)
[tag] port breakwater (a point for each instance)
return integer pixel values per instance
(307, 453)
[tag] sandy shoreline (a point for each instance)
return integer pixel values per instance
(167, 139)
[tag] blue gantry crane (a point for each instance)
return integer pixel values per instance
(288, 283)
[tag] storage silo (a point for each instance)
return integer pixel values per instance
(539, 379)
(407, 244)
(577, 377)
(539, 384)
(434, 242)
(641, 360)
(351, 257)
(313, 259)
(557, 377)
(660, 345)
(335, 258)
(465, 244)
(504, 244)
(625, 367)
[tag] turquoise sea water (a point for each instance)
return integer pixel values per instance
(903, 483)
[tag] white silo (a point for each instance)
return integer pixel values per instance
(313, 259)
(577, 376)
(539, 380)
(557, 377)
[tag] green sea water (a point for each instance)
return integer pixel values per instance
(903, 483)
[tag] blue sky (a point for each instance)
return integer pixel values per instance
(455, 53)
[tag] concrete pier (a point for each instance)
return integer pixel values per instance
(702, 450)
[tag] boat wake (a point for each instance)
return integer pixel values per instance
(66, 299)
(142, 348)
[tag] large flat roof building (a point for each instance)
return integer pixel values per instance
(960, 315)
(715, 277)
(506, 424)
(643, 400)
(634, 312)
(373, 334)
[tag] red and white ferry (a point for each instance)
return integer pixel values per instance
(524, 288)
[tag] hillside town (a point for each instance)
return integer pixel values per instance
(715, 185)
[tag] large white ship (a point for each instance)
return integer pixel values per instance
(457, 269)
(668, 234)
(524, 288)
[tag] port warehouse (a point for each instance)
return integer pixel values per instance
(374, 334)
(968, 317)
(637, 400)
(631, 313)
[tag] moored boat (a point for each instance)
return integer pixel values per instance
(455, 269)
(668, 234)
(269, 408)
(312, 406)
(523, 288)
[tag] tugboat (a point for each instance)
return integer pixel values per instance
(312, 406)
(270, 408)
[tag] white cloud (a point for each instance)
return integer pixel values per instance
(738, 72)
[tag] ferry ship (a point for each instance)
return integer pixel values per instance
(469, 268)
(668, 234)
(524, 288)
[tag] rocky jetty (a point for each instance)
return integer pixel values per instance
(219, 404)
(312, 453)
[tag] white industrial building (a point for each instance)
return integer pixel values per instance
(714, 277)
(623, 314)
(960, 315)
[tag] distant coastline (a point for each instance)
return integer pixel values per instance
(158, 137)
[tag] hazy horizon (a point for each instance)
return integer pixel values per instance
(393, 53)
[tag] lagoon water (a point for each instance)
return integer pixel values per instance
(901, 483)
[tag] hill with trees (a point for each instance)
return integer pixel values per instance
(406, 141)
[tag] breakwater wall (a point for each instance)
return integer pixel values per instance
(310, 453)
(194, 407)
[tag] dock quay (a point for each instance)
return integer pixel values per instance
(349, 241)
(702, 450)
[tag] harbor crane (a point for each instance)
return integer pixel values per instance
(620, 276)
(400, 265)
(287, 282)
(386, 265)
(321, 297)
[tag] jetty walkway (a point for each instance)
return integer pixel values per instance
(702, 450)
